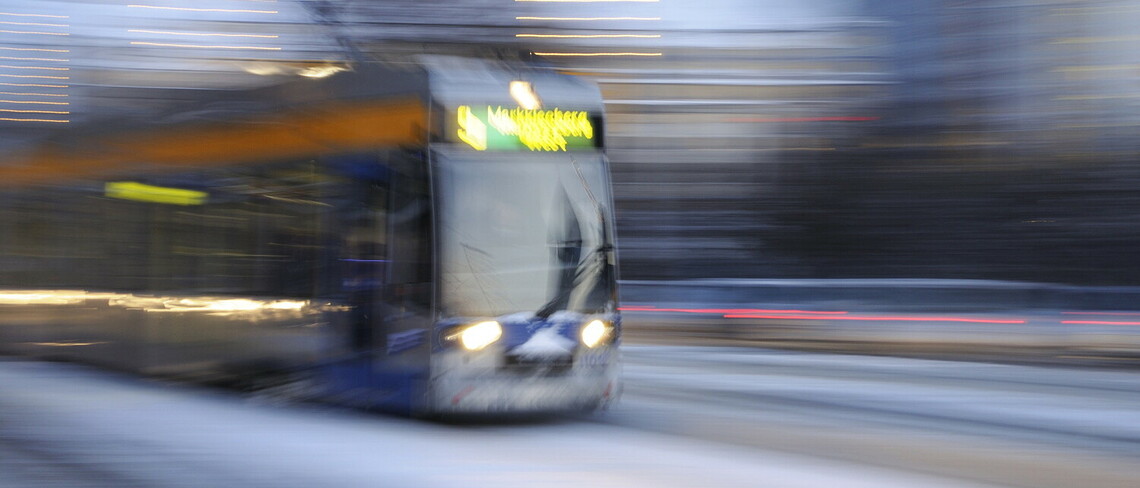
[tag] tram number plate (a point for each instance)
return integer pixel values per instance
(595, 360)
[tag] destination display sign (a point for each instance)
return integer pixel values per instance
(499, 128)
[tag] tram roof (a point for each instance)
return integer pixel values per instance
(372, 105)
(465, 81)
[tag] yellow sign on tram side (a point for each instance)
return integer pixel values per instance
(140, 192)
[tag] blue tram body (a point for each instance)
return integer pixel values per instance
(425, 239)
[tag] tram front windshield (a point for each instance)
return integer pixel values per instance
(524, 233)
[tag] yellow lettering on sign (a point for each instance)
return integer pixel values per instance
(541, 130)
(471, 130)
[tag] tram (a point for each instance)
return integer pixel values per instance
(427, 238)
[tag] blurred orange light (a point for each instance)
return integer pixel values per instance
(32, 120)
(33, 111)
(38, 76)
(34, 102)
(34, 94)
(33, 84)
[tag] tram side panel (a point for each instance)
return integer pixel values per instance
(53, 252)
(233, 280)
(316, 264)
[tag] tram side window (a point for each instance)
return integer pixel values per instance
(262, 230)
(54, 237)
(31, 235)
(269, 221)
(26, 238)
(287, 206)
(9, 233)
(366, 238)
(258, 232)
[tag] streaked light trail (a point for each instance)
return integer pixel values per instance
(795, 314)
(202, 34)
(731, 313)
(37, 33)
(589, 18)
(35, 49)
(32, 23)
(37, 85)
(599, 54)
(34, 111)
(32, 94)
(33, 102)
(35, 15)
(52, 68)
(188, 9)
(876, 318)
(721, 311)
(38, 76)
(18, 58)
(199, 46)
(590, 36)
(6, 119)
(1098, 322)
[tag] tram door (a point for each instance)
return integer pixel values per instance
(387, 273)
(365, 262)
(406, 298)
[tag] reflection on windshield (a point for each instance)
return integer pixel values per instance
(524, 233)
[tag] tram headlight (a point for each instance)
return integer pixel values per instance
(477, 336)
(596, 333)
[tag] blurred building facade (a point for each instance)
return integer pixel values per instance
(749, 138)
(1005, 150)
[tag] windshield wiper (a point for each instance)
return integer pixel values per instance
(591, 268)
(589, 271)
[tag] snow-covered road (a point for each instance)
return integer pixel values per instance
(691, 417)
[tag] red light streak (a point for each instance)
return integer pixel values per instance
(721, 311)
(1119, 314)
(1097, 322)
(877, 319)
(811, 315)
(778, 314)
(461, 395)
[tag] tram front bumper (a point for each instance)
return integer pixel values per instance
(574, 390)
